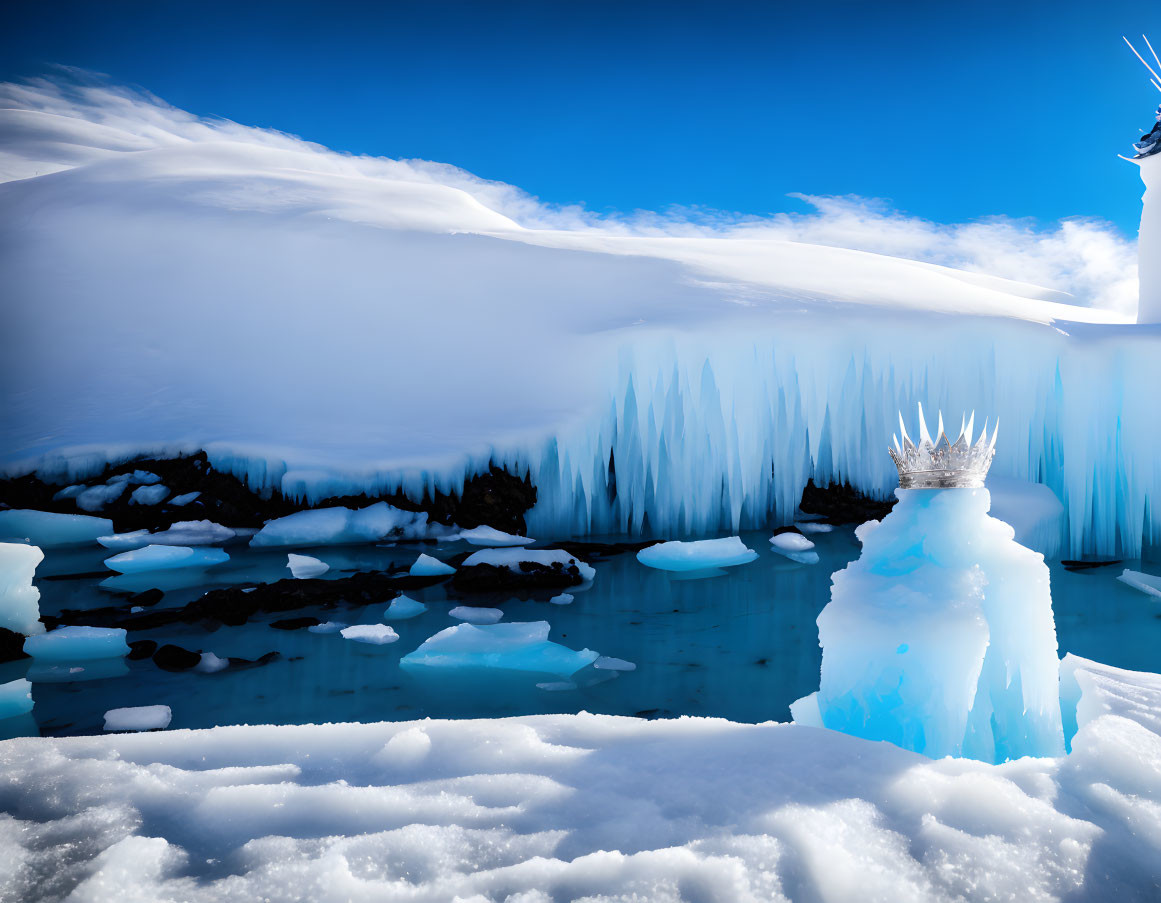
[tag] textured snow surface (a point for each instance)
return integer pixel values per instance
(940, 637)
(47, 529)
(697, 555)
(701, 363)
(77, 644)
(19, 599)
(565, 807)
(163, 558)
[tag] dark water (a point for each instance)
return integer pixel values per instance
(742, 645)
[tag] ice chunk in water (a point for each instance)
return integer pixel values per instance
(19, 599)
(304, 566)
(162, 558)
(327, 627)
(795, 547)
(77, 644)
(697, 555)
(514, 647)
(813, 527)
(48, 529)
(183, 533)
(69, 492)
(341, 526)
(426, 566)
(375, 634)
(211, 664)
(97, 497)
(608, 663)
(1146, 583)
(403, 608)
(148, 495)
(15, 698)
(474, 615)
(138, 718)
(562, 599)
(940, 637)
(489, 536)
(184, 499)
(512, 559)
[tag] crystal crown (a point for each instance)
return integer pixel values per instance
(943, 464)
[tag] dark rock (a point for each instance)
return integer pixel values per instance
(142, 649)
(295, 623)
(233, 607)
(173, 658)
(146, 599)
(596, 551)
(11, 645)
(241, 663)
(843, 504)
(496, 498)
(1077, 565)
(527, 575)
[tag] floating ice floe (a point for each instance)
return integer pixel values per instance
(1146, 583)
(474, 615)
(15, 698)
(138, 718)
(327, 627)
(19, 599)
(184, 499)
(48, 529)
(608, 663)
(305, 566)
(404, 607)
(183, 533)
(373, 634)
(163, 558)
(490, 536)
(697, 555)
(427, 566)
(513, 558)
(211, 664)
(94, 498)
(343, 526)
(148, 495)
(69, 492)
(813, 527)
(77, 644)
(794, 546)
(518, 646)
(562, 599)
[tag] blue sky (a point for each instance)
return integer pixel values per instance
(951, 111)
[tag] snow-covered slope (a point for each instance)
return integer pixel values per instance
(564, 807)
(328, 323)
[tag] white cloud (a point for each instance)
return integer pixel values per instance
(50, 125)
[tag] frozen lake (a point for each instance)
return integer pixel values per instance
(740, 645)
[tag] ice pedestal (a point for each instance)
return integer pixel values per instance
(940, 636)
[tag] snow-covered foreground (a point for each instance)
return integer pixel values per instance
(328, 324)
(586, 807)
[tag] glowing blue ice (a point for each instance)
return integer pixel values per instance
(163, 558)
(47, 529)
(77, 644)
(517, 646)
(697, 555)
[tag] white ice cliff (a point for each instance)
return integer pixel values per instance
(336, 325)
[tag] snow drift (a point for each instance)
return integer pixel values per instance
(559, 807)
(330, 324)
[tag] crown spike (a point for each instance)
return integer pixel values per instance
(944, 465)
(924, 436)
(940, 433)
